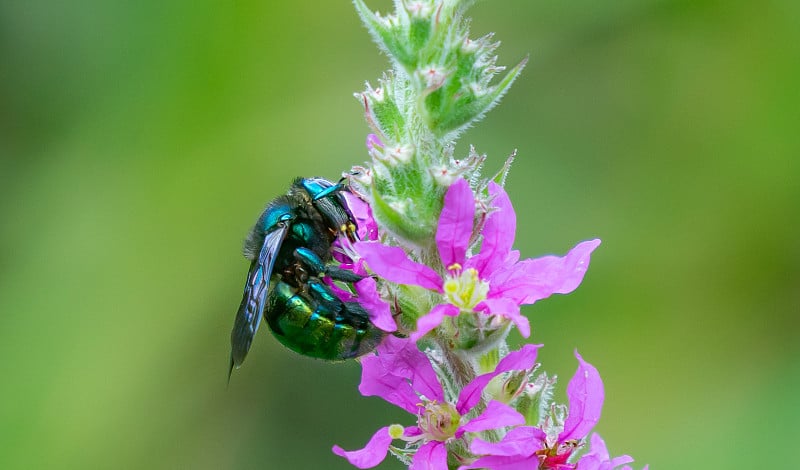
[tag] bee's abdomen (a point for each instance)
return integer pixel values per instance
(325, 328)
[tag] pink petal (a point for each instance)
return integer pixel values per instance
(373, 141)
(585, 393)
(401, 358)
(512, 257)
(455, 223)
(496, 415)
(391, 347)
(597, 457)
(411, 431)
(509, 309)
(394, 265)
(372, 454)
(599, 452)
(362, 212)
(621, 460)
(432, 319)
(590, 462)
(553, 275)
(431, 456)
(498, 232)
(377, 381)
(513, 281)
(516, 360)
(494, 462)
(380, 314)
(344, 296)
(522, 441)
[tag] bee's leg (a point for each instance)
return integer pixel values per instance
(319, 268)
(323, 295)
(355, 314)
(350, 313)
(310, 259)
(344, 275)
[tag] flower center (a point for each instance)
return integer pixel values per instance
(439, 421)
(556, 457)
(464, 288)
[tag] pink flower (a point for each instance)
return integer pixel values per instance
(598, 459)
(362, 212)
(531, 448)
(494, 281)
(402, 375)
(367, 229)
(380, 313)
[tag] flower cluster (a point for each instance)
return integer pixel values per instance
(441, 276)
(493, 283)
(455, 417)
(402, 375)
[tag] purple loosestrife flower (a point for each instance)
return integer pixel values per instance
(533, 448)
(494, 281)
(402, 375)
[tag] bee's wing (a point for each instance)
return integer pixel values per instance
(248, 317)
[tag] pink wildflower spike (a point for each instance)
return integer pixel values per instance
(455, 223)
(372, 454)
(585, 392)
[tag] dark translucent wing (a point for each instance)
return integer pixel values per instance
(249, 315)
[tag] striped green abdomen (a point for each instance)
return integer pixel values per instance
(322, 326)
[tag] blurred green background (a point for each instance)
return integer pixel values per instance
(140, 140)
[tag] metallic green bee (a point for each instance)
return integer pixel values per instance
(290, 251)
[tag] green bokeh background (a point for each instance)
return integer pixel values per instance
(139, 141)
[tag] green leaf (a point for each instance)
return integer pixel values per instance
(473, 109)
(417, 232)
